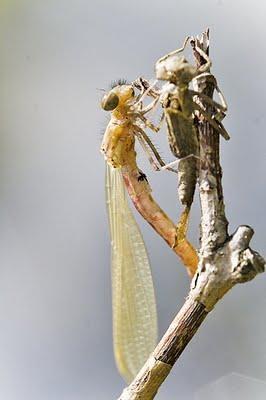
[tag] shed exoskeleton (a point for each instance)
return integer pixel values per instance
(182, 106)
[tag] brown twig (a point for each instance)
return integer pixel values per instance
(140, 194)
(224, 261)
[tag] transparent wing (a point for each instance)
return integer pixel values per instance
(134, 307)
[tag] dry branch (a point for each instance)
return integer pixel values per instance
(140, 194)
(224, 261)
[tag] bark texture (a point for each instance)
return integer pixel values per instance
(223, 261)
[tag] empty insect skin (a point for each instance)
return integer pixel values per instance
(180, 110)
(183, 142)
(134, 310)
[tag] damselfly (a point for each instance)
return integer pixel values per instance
(134, 309)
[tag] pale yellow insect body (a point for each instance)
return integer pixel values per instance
(133, 299)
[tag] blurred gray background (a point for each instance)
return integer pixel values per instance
(55, 299)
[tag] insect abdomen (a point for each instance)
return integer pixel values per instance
(183, 142)
(187, 179)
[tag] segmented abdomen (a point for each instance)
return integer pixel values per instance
(183, 142)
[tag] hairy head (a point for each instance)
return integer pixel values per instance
(119, 95)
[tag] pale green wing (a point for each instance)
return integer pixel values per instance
(134, 307)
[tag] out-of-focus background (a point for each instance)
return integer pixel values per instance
(55, 297)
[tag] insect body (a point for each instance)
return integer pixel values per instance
(127, 119)
(133, 300)
(134, 310)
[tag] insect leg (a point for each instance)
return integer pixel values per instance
(182, 227)
(142, 85)
(205, 67)
(176, 162)
(140, 112)
(151, 151)
(149, 124)
(175, 51)
(208, 77)
(207, 99)
(201, 81)
(187, 177)
(223, 101)
(145, 93)
(219, 128)
(152, 160)
(150, 106)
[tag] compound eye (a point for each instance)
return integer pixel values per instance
(110, 101)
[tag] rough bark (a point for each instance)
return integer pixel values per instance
(223, 262)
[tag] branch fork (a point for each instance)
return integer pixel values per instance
(232, 263)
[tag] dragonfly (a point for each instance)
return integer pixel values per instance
(133, 298)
